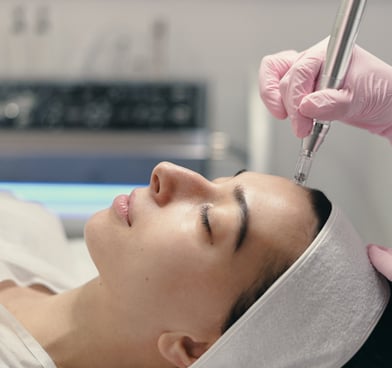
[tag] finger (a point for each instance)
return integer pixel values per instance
(272, 69)
(381, 259)
(300, 81)
(328, 104)
(301, 125)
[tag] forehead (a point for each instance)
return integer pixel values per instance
(259, 186)
(275, 196)
(281, 222)
(279, 210)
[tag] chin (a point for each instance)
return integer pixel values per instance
(95, 228)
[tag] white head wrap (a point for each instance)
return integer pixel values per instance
(317, 314)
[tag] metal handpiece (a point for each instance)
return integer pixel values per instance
(339, 51)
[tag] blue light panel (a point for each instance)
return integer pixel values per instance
(69, 200)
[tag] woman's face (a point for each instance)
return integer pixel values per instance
(180, 251)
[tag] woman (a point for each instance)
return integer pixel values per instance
(178, 262)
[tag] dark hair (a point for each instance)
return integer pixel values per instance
(376, 351)
(322, 208)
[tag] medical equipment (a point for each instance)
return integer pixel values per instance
(341, 43)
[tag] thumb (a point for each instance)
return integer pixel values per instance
(381, 258)
(327, 104)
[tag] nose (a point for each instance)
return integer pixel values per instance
(169, 182)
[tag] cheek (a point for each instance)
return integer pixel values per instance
(164, 261)
(180, 266)
(188, 288)
(170, 238)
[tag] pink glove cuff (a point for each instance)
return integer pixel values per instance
(381, 258)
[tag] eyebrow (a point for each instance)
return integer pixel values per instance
(239, 172)
(239, 196)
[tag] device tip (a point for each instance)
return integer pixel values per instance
(300, 178)
(302, 169)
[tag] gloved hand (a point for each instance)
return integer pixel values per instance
(381, 258)
(287, 80)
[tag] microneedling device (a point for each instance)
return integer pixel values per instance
(337, 60)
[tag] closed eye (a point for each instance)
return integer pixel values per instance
(204, 218)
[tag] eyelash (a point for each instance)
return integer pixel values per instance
(204, 218)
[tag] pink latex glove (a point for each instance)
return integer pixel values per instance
(381, 258)
(287, 80)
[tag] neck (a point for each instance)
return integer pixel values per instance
(78, 328)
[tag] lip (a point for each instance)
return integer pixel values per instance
(122, 206)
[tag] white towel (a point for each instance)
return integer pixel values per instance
(317, 314)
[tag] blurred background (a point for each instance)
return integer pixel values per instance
(94, 93)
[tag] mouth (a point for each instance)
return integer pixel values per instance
(122, 206)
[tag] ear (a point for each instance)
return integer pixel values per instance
(180, 349)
